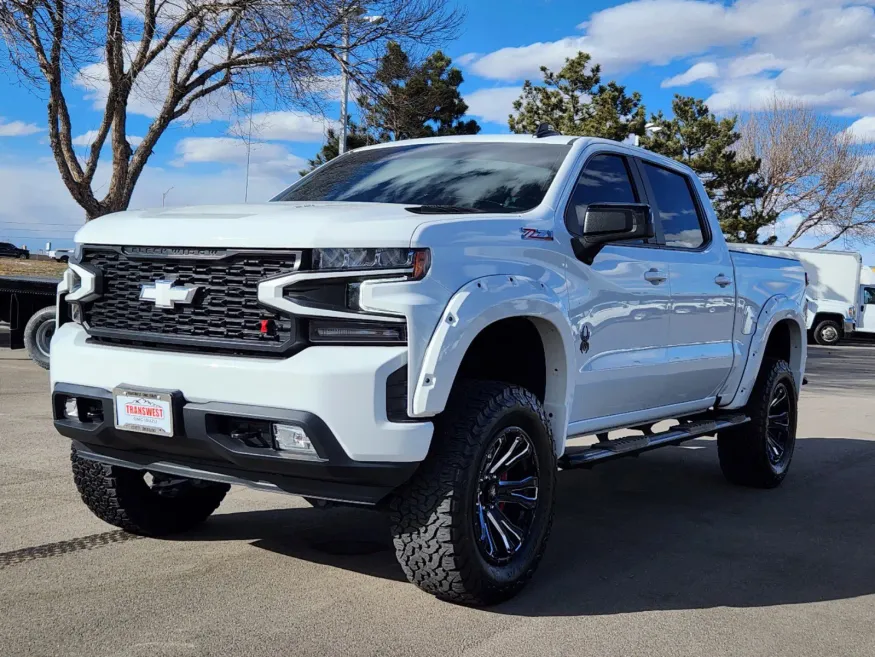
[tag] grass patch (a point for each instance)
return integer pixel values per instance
(42, 268)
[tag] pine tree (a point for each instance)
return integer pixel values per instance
(576, 102)
(697, 138)
(356, 137)
(416, 100)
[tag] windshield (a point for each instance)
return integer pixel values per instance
(451, 177)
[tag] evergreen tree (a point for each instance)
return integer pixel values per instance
(416, 100)
(707, 145)
(576, 102)
(356, 137)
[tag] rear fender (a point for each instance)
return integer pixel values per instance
(776, 309)
(475, 306)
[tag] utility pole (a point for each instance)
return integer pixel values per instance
(344, 62)
(248, 154)
(354, 14)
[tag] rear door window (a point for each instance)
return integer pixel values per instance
(677, 209)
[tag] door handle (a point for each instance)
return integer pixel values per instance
(654, 276)
(723, 280)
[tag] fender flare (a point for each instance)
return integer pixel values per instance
(777, 309)
(483, 302)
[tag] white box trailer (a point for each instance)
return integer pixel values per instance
(833, 289)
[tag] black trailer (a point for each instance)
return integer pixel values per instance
(28, 305)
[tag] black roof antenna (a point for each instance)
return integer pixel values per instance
(546, 130)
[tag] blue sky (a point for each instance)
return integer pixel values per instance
(736, 54)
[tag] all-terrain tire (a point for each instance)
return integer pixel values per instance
(433, 515)
(37, 335)
(744, 450)
(827, 332)
(121, 497)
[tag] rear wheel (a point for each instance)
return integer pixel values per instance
(758, 453)
(148, 504)
(38, 334)
(827, 332)
(472, 524)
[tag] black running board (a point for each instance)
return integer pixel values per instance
(584, 457)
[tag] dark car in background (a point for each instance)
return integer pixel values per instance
(9, 250)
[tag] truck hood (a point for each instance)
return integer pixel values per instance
(258, 225)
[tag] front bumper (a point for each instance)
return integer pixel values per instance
(204, 449)
(337, 393)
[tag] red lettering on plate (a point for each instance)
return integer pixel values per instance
(144, 411)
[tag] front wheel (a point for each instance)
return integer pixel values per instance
(38, 334)
(153, 505)
(758, 454)
(472, 524)
(827, 332)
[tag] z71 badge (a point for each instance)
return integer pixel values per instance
(536, 234)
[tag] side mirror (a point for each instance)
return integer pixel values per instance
(603, 223)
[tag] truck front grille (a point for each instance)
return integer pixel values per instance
(223, 315)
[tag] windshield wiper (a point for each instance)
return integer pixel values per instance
(442, 209)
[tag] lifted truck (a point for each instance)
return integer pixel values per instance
(27, 304)
(421, 326)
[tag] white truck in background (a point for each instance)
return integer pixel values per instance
(866, 312)
(834, 291)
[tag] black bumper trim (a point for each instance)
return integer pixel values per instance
(200, 446)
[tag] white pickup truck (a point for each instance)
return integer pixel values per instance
(422, 326)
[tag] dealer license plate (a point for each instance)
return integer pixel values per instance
(146, 412)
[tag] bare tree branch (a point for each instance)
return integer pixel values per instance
(813, 169)
(182, 56)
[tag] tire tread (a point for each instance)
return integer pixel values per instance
(121, 498)
(429, 542)
(741, 450)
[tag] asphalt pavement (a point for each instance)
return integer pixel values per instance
(654, 555)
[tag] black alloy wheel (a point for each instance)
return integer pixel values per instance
(507, 495)
(778, 427)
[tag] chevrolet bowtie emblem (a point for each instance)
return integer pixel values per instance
(166, 294)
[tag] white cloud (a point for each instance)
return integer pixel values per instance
(863, 130)
(264, 158)
(754, 64)
(517, 63)
(284, 126)
(700, 71)
(492, 105)
(33, 193)
(467, 58)
(647, 32)
(87, 139)
(818, 51)
(17, 128)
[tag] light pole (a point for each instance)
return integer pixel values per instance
(354, 14)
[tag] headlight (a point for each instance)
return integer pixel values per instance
(417, 260)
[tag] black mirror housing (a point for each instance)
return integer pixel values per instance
(604, 223)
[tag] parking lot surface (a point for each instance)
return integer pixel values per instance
(654, 555)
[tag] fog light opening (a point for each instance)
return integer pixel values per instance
(293, 441)
(71, 408)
